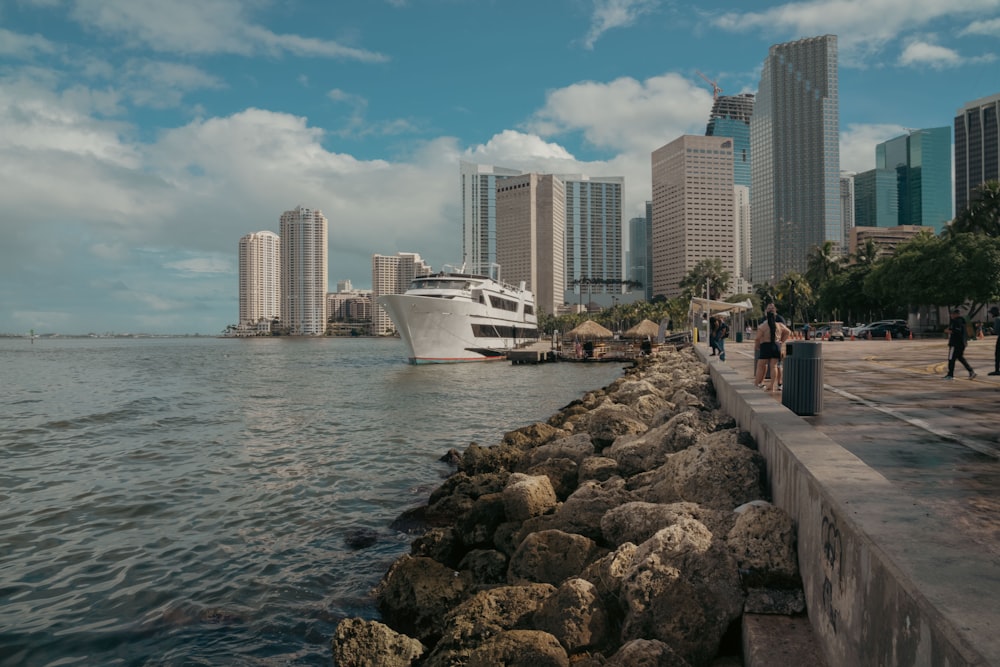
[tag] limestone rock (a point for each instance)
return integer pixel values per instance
(610, 421)
(575, 615)
(551, 556)
(563, 474)
(597, 468)
(476, 526)
(526, 496)
(637, 521)
(417, 592)
(362, 643)
(520, 648)
(484, 615)
(486, 566)
(646, 653)
(683, 590)
(576, 447)
(763, 543)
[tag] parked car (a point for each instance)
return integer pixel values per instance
(896, 329)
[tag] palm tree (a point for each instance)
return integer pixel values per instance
(822, 264)
(982, 215)
(867, 253)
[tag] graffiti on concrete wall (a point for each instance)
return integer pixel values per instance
(833, 554)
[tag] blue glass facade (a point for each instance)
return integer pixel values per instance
(921, 164)
(731, 118)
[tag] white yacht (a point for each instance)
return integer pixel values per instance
(454, 316)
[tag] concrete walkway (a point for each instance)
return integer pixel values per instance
(894, 486)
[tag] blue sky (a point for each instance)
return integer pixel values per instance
(140, 139)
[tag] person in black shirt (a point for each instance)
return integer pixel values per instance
(995, 312)
(957, 339)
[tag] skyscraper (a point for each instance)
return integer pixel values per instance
(593, 236)
(876, 199)
(260, 279)
(303, 272)
(479, 231)
(638, 253)
(693, 209)
(731, 118)
(921, 163)
(795, 171)
(977, 147)
(531, 236)
(392, 274)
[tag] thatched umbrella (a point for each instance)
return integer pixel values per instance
(589, 330)
(645, 329)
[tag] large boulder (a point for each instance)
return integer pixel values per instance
(598, 469)
(763, 542)
(416, 593)
(575, 615)
(637, 521)
(646, 653)
(476, 526)
(486, 566)
(610, 421)
(684, 590)
(519, 648)
(551, 556)
(576, 447)
(639, 453)
(582, 511)
(484, 615)
(526, 496)
(362, 643)
(718, 472)
(457, 494)
(608, 573)
(563, 474)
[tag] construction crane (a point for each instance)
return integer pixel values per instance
(715, 86)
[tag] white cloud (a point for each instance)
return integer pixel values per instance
(610, 14)
(858, 141)
(626, 114)
(932, 55)
(15, 45)
(989, 27)
(863, 27)
(202, 27)
(198, 266)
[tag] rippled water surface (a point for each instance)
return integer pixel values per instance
(186, 501)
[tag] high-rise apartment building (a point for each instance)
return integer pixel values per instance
(593, 236)
(531, 236)
(741, 283)
(977, 148)
(693, 209)
(479, 221)
(392, 274)
(303, 272)
(795, 171)
(921, 163)
(260, 279)
(731, 118)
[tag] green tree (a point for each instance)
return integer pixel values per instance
(982, 215)
(710, 271)
(822, 263)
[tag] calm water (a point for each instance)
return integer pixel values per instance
(186, 501)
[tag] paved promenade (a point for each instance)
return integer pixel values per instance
(921, 501)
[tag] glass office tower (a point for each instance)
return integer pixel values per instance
(921, 164)
(479, 214)
(731, 118)
(795, 171)
(593, 237)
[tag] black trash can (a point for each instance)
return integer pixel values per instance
(802, 379)
(739, 336)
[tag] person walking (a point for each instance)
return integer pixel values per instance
(957, 340)
(713, 343)
(721, 332)
(995, 312)
(767, 342)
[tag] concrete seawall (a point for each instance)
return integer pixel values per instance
(886, 582)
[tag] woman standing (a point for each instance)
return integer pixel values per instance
(767, 341)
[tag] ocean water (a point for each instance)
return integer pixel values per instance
(189, 501)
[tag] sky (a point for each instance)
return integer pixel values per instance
(140, 139)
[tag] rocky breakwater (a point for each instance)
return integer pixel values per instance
(631, 529)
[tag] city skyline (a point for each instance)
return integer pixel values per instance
(142, 139)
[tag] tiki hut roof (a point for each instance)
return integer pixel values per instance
(646, 328)
(589, 329)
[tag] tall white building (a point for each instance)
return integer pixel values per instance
(303, 272)
(260, 278)
(593, 237)
(531, 236)
(693, 209)
(392, 274)
(795, 143)
(479, 220)
(741, 202)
